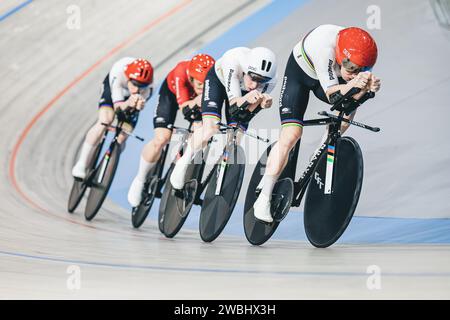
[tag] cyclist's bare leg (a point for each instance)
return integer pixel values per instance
(105, 115)
(276, 162)
(279, 154)
(149, 157)
(196, 142)
(152, 150)
(200, 138)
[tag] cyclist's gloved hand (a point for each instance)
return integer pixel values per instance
(361, 80)
(254, 97)
(192, 114)
(267, 101)
(131, 102)
(374, 83)
(140, 103)
(196, 113)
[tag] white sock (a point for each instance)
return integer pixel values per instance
(85, 152)
(268, 185)
(144, 168)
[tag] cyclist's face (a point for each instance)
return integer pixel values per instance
(135, 89)
(347, 75)
(249, 84)
(197, 85)
(132, 88)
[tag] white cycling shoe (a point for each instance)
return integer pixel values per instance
(79, 170)
(261, 209)
(135, 192)
(178, 175)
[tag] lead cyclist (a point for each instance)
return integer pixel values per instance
(329, 61)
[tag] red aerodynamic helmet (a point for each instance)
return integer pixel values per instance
(357, 46)
(141, 71)
(199, 66)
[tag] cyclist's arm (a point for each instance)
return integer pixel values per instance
(325, 67)
(344, 88)
(190, 104)
(182, 92)
(362, 81)
(230, 69)
(119, 100)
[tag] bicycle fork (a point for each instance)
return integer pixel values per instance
(106, 162)
(221, 171)
(104, 166)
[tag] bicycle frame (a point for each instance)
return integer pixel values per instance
(161, 163)
(334, 133)
(223, 163)
(121, 119)
(204, 183)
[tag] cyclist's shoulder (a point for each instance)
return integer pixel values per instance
(233, 58)
(119, 66)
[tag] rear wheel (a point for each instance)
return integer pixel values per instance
(327, 215)
(101, 181)
(258, 232)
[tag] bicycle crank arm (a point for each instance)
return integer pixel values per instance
(358, 124)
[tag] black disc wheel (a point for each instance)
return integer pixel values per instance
(327, 215)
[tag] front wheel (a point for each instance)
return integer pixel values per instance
(79, 186)
(175, 205)
(327, 215)
(257, 232)
(140, 213)
(101, 181)
(218, 204)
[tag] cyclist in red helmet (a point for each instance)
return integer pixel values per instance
(127, 85)
(181, 90)
(329, 61)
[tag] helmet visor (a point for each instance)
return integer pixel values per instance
(258, 78)
(352, 67)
